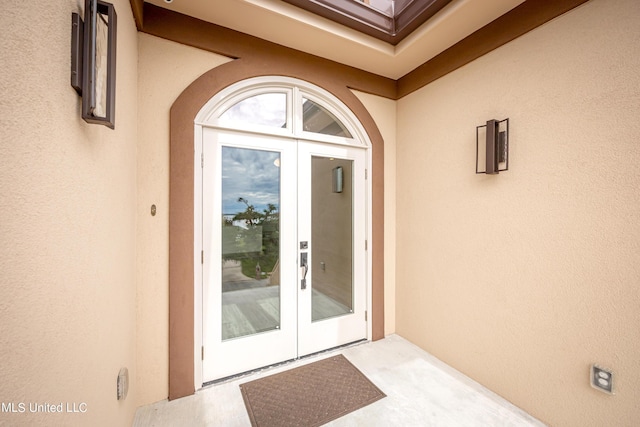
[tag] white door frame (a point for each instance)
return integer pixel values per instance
(207, 118)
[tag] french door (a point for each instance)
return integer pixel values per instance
(284, 249)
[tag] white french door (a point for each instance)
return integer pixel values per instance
(332, 219)
(284, 258)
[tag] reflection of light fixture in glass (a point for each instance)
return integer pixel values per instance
(338, 179)
(276, 162)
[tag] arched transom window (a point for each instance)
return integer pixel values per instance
(290, 108)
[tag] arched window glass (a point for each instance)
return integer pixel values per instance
(266, 109)
(289, 108)
(318, 119)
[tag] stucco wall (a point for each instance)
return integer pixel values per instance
(165, 69)
(524, 279)
(67, 225)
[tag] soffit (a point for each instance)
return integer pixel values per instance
(291, 26)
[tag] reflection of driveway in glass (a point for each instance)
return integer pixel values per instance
(234, 280)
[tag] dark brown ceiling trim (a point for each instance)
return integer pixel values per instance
(520, 20)
(137, 7)
(234, 44)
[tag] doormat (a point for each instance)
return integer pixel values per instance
(310, 395)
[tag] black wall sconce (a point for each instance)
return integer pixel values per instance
(93, 61)
(496, 146)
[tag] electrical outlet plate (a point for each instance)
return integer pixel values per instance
(602, 379)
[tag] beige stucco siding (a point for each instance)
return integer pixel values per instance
(67, 225)
(524, 279)
(166, 69)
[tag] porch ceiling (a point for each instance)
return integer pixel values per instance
(288, 25)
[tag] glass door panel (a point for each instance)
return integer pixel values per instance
(331, 237)
(250, 241)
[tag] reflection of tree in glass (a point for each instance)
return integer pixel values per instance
(250, 216)
(268, 221)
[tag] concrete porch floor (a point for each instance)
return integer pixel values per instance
(421, 391)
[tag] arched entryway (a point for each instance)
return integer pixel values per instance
(282, 190)
(184, 258)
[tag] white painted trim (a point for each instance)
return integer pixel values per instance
(197, 264)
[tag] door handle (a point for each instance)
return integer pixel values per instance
(304, 264)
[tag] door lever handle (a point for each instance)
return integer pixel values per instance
(305, 265)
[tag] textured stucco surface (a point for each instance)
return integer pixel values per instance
(165, 69)
(522, 280)
(67, 225)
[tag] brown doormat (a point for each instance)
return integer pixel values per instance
(310, 395)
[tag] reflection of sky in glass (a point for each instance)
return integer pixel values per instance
(318, 119)
(267, 109)
(252, 175)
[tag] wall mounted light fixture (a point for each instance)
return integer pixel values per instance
(338, 179)
(496, 147)
(93, 61)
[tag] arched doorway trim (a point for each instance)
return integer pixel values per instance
(181, 210)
